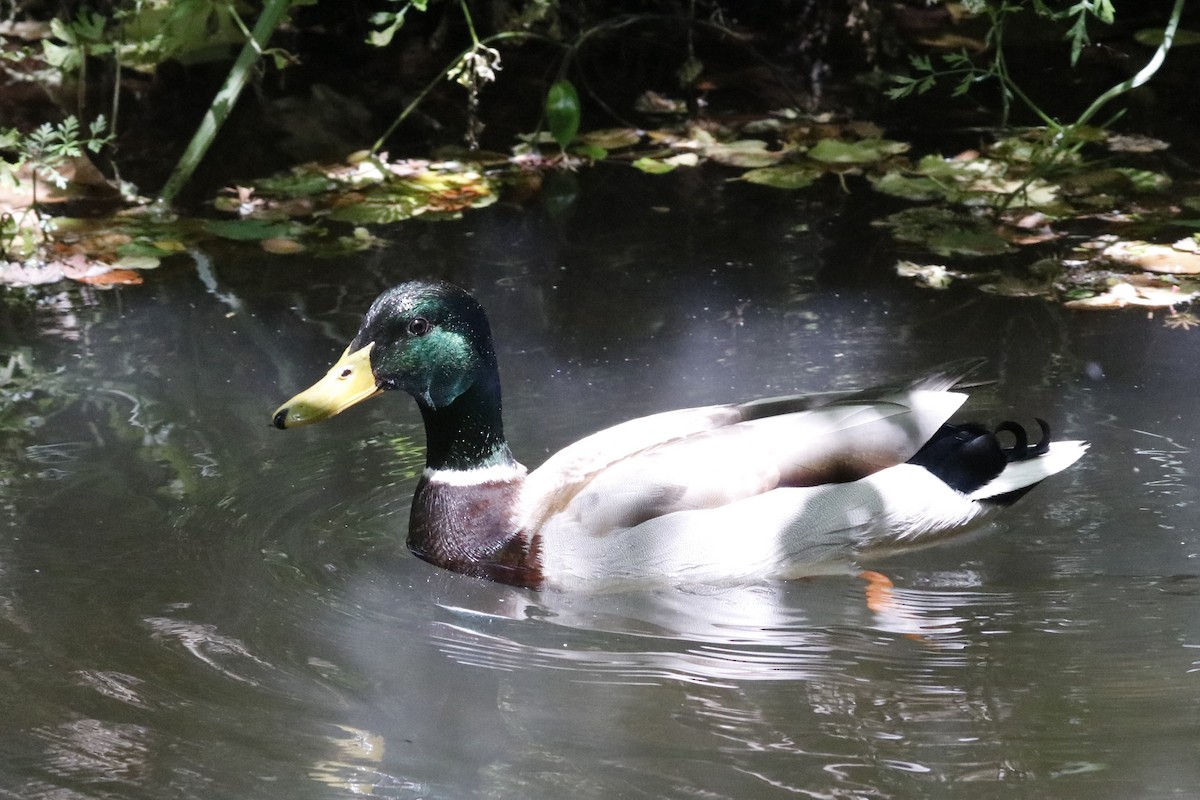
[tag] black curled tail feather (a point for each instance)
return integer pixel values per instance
(1021, 451)
(967, 456)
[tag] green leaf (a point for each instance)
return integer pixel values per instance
(378, 212)
(963, 86)
(389, 22)
(89, 26)
(137, 249)
(743, 153)
(653, 166)
(1144, 180)
(384, 36)
(784, 176)
(299, 183)
(899, 185)
(562, 112)
(864, 151)
(60, 30)
(1079, 37)
(247, 230)
(946, 232)
(591, 151)
(612, 138)
(138, 262)
(62, 57)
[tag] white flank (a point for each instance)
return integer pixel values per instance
(781, 534)
(499, 473)
(1020, 474)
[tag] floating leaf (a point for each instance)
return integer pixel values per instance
(247, 230)
(1016, 194)
(1096, 181)
(973, 179)
(138, 262)
(863, 151)
(1124, 294)
(932, 276)
(653, 166)
(105, 241)
(1144, 180)
(683, 160)
(660, 166)
(1116, 181)
(1018, 150)
(366, 212)
(562, 112)
(361, 239)
(300, 182)
(743, 153)
(897, 184)
(612, 138)
(1134, 143)
(1160, 258)
(946, 232)
(282, 247)
(935, 166)
(1007, 285)
(591, 151)
(650, 102)
(227, 204)
(139, 249)
(783, 176)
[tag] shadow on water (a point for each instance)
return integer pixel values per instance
(195, 605)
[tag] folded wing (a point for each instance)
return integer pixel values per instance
(707, 458)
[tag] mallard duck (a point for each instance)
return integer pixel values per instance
(768, 489)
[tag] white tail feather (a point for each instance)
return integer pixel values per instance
(1021, 474)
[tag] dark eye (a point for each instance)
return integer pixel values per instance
(419, 326)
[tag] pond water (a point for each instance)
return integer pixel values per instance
(195, 605)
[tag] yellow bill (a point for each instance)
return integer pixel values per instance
(349, 381)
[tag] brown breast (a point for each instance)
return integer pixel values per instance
(471, 529)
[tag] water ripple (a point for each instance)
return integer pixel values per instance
(227, 655)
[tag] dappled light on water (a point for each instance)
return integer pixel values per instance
(193, 604)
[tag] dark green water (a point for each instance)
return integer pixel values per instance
(195, 605)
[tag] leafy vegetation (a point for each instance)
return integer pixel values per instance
(1061, 140)
(1026, 188)
(967, 72)
(253, 48)
(37, 158)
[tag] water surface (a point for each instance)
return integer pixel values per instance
(195, 605)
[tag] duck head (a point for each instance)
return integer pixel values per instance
(431, 340)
